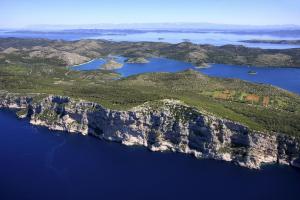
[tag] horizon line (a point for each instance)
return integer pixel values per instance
(160, 24)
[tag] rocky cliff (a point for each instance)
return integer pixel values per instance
(166, 125)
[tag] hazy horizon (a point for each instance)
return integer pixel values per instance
(24, 14)
(156, 26)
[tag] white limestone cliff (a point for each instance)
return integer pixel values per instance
(166, 125)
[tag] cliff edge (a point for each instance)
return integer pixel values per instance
(166, 125)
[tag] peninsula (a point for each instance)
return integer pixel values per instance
(188, 112)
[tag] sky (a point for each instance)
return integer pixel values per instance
(22, 13)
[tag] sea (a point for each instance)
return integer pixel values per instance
(36, 163)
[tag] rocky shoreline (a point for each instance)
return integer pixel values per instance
(166, 125)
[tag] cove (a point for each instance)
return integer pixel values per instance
(286, 78)
(283, 77)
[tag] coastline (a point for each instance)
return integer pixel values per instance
(69, 67)
(132, 128)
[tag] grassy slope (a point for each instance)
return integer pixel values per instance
(232, 99)
(196, 54)
(257, 106)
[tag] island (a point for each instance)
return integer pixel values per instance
(138, 60)
(251, 72)
(186, 40)
(111, 64)
(291, 42)
(78, 52)
(186, 112)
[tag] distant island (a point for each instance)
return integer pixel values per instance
(12, 49)
(251, 72)
(294, 42)
(137, 60)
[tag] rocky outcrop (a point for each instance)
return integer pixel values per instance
(137, 60)
(69, 58)
(111, 65)
(166, 125)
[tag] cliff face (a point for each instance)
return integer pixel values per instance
(166, 125)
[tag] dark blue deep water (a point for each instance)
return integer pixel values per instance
(40, 164)
(286, 78)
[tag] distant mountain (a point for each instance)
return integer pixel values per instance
(164, 26)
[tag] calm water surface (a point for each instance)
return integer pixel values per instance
(213, 38)
(92, 65)
(41, 164)
(208, 37)
(36, 163)
(286, 78)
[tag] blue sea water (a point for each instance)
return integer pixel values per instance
(50, 36)
(92, 65)
(286, 78)
(203, 37)
(212, 38)
(129, 69)
(155, 65)
(36, 163)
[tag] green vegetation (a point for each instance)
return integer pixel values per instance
(48, 115)
(22, 112)
(260, 107)
(137, 60)
(76, 52)
(227, 98)
(111, 65)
